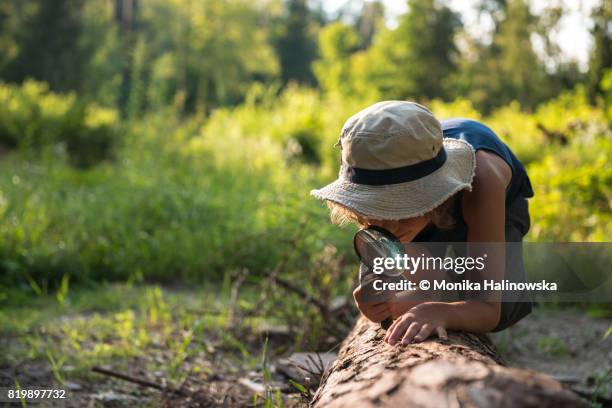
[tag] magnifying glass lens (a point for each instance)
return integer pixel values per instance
(376, 242)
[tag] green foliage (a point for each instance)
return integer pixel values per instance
(416, 59)
(337, 42)
(182, 200)
(518, 67)
(606, 86)
(572, 181)
(603, 384)
(104, 67)
(56, 367)
(62, 291)
(194, 199)
(115, 321)
(601, 53)
(140, 55)
(552, 345)
(493, 75)
(32, 52)
(295, 42)
(573, 195)
(423, 50)
(33, 118)
(565, 144)
(193, 56)
(190, 65)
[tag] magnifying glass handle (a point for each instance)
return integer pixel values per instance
(385, 324)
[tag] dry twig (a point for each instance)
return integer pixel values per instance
(139, 381)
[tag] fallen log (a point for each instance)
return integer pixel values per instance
(463, 371)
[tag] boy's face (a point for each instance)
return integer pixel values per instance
(405, 230)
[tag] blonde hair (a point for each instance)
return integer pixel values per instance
(443, 216)
(342, 215)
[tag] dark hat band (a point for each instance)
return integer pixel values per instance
(393, 176)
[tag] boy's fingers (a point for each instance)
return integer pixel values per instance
(391, 328)
(442, 333)
(399, 330)
(412, 330)
(424, 333)
(396, 333)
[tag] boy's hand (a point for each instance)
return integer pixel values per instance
(374, 311)
(399, 307)
(417, 324)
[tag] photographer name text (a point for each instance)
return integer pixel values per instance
(465, 285)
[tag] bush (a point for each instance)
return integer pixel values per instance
(182, 203)
(573, 193)
(193, 199)
(32, 118)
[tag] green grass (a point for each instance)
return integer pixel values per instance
(602, 383)
(553, 346)
(168, 335)
(174, 333)
(149, 220)
(113, 324)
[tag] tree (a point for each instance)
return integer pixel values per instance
(417, 58)
(337, 42)
(103, 79)
(44, 43)
(200, 54)
(508, 68)
(492, 8)
(601, 54)
(367, 24)
(521, 71)
(126, 13)
(295, 42)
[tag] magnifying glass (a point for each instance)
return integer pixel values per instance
(376, 242)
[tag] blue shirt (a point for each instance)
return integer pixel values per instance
(481, 137)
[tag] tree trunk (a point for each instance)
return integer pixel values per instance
(463, 371)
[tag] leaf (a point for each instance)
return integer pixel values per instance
(298, 386)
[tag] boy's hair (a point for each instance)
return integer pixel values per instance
(443, 216)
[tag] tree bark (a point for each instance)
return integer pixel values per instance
(463, 371)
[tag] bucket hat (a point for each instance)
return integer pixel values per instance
(396, 164)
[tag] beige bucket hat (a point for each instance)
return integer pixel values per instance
(396, 164)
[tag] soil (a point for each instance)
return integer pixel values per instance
(565, 344)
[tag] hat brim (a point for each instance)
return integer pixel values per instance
(410, 199)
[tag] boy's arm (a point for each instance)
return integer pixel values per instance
(484, 213)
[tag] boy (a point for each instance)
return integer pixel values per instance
(430, 181)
